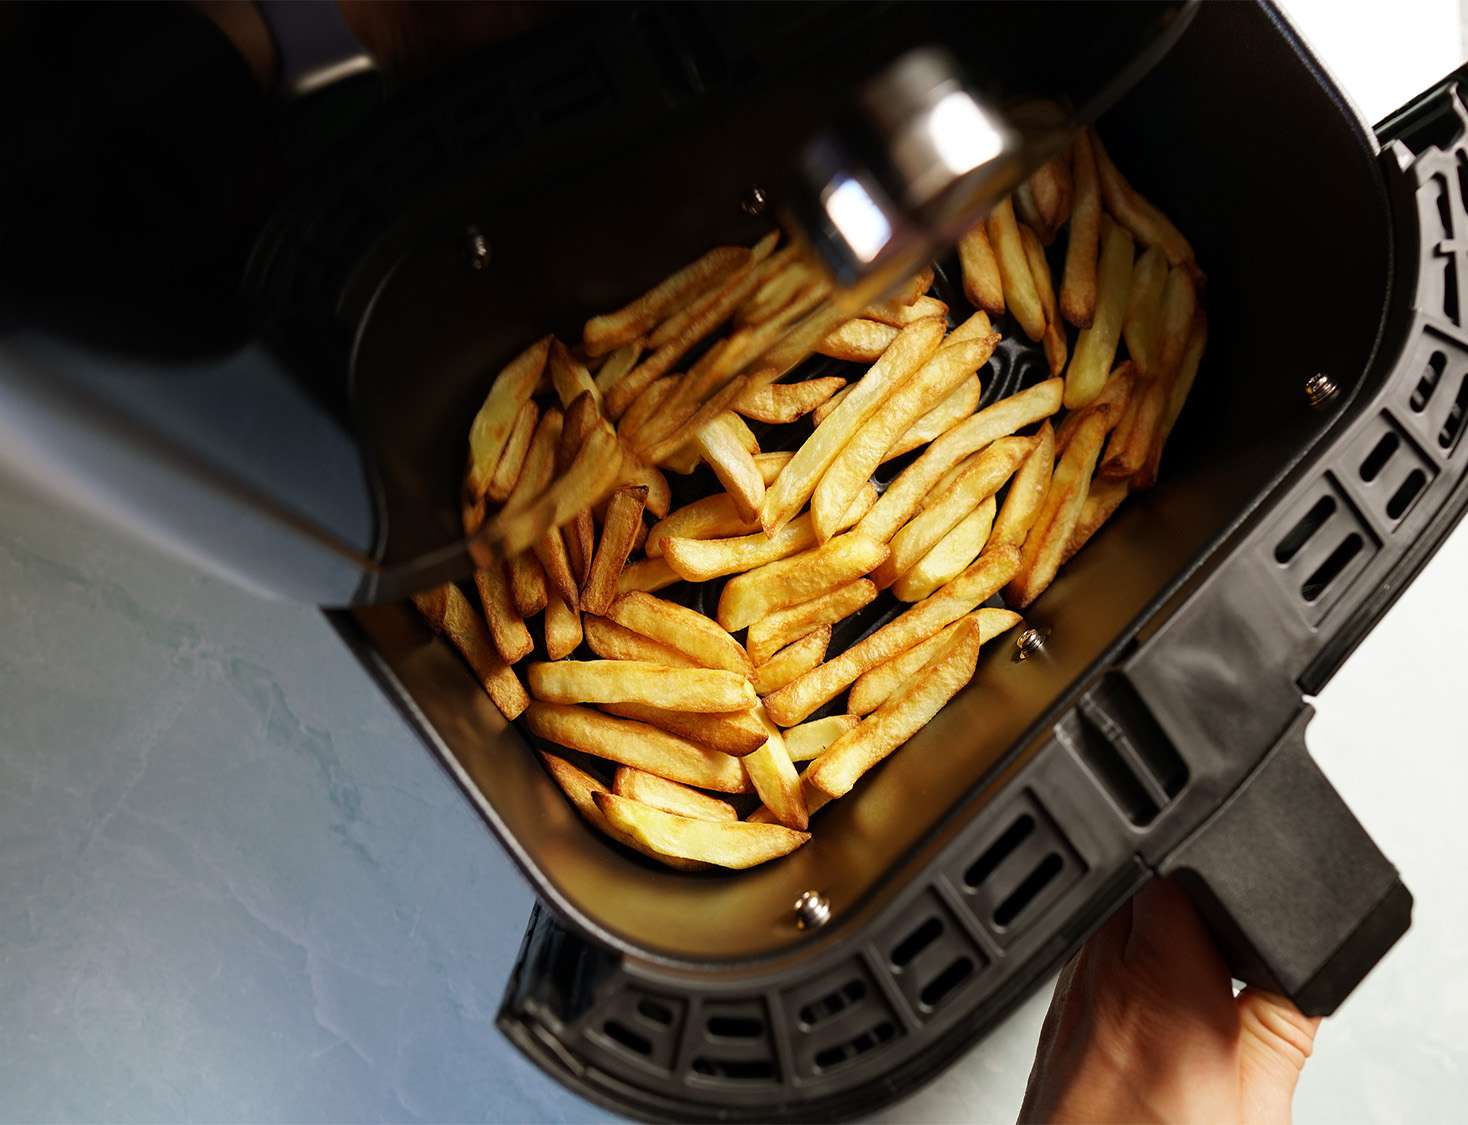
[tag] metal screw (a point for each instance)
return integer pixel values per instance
(1320, 389)
(1029, 643)
(478, 247)
(754, 201)
(812, 910)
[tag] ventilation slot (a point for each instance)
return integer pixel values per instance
(1301, 533)
(1328, 571)
(840, 1054)
(1406, 492)
(622, 1034)
(1436, 363)
(944, 985)
(1028, 891)
(997, 852)
(1453, 427)
(739, 1070)
(1450, 288)
(917, 941)
(736, 1043)
(735, 1027)
(1444, 204)
(657, 1012)
(1380, 454)
(1110, 768)
(832, 1004)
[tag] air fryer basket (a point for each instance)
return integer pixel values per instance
(1162, 727)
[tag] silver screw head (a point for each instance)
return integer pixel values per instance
(754, 201)
(812, 910)
(1029, 643)
(1320, 389)
(477, 247)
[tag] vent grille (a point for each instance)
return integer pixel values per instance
(933, 958)
(1324, 542)
(642, 1027)
(1392, 471)
(841, 1018)
(734, 1045)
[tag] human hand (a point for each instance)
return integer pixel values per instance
(1144, 1026)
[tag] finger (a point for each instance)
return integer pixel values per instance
(1169, 939)
(1275, 1040)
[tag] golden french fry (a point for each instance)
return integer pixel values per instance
(679, 322)
(512, 460)
(859, 340)
(770, 465)
(845, 476)
(1115, 398)
(792, 660)
(583, 416)
(633, 681)
(948, 557)
(639, 537)
(756, 593)
(738, 845)
(794, 702)
(806, 741)
(900, 315)
(449, 612)
(527, 584)
(775, 292)
(492, 425)
(909, 351)
(773, 776)
(733, 464)
(1144, 309)
(975, 327)
(1078, 284)
(904, 713)
(713, 517)
(1026, 491)
(635, 744)
(1102, 500)
(982, 284)
(562, 627)
(603, 333)
(1063, 502)
(913, 288)
(670, 796)
(611, 641)
(774, 631)
(569, 376)
(1175, 321)
(550, 549)
(1052, 191)
(527, 577)
(647, 405)
(624, 517)
(785, 402)
(1177, 395)
(647, 575)
(1096, 345)
(1014, 270)
(1054, 338)
(873, 688)
(814, 801)
(1027, 209)
(904, 494)
(1131, 210)
(506, 626)
(1132, 441)
(681, 628)
(593, 471)
(636, 471)
(959, 404)
(580, 788)
(616, 364)
(827, 408)
(731, 732)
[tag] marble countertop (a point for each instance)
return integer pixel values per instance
(235, 887)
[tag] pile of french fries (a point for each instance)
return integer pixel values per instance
(691, 712)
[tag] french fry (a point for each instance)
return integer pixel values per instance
(774, 631)
(773, 776)
(873, 688)
(646, 406)
(1054, 339)
(630, 743)
(814, 801)
(583, 417)
(449, 612)
(1027, 210)
(647, 575)
(792, 660)
(713, 517)
(770, 465)
(678, 323)
(1062, 509)
(636, 471)
(1014, 270)
(903, 714)
(733, 464)
(506, 626)
(913, 288)
(527, 584)
(975, 327)
(794, 702)
(603, 333)
(1144, 309)
(785, 402)
(982, 284)
(948, 557)
(806, 741)
(859, 457)
(580, 788)
(984, 475)
(1175, 320)
(732, 732)
(562, 627)
(1102, 500)
(1053, 194)
(616, 364)
(738, 845)
(1130, 448)
(1177, 395)
(900, 315)
(909, 351)
(1150, 226)
(1026, 491)
(592, 472)
(681, 628)
(752, 595)
(633, 681)
(512, 460)
(569, 376)
(859, 340)
(624, 516)
(492, 425)
(774, 293)
(1132, 440)
(1115, 398)
(550, 549)
(827, 408)
(1078, 283)
(959, 404)
(1096, 345)
(611, 641)
(670, 796)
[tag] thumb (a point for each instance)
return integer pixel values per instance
(1275, 1040)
